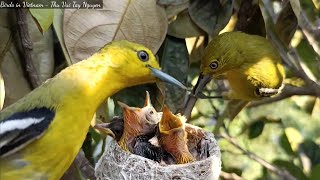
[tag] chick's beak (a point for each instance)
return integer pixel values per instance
(166, 78)
(169, 121)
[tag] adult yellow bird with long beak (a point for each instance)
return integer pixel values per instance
(41, 134)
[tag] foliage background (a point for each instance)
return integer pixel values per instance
(267, 139)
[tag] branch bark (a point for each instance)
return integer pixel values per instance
(282, 173)
(287, 92)
(27, 47)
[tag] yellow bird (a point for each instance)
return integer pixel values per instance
(41, 134)
(250, 64)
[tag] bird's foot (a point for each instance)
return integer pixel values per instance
(266, 92)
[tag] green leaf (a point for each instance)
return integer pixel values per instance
(285, 144)
(315, 173)
(309, 57)
(174, 8)
(175, 62)
(43, 17)
(184, 27)
(286, 24)
(58, 28)
(256, 129)
(211, 15)
(294, 170)
(171, 2)
(311, 150)
(250, 19)
(295, 4)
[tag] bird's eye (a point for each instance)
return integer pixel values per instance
(214, 65)
(143, 55)
(151, 112)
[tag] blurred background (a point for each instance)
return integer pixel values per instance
(274, 138)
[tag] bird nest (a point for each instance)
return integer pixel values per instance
(118, 164)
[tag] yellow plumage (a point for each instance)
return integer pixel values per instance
(74, 95)
(248, 62)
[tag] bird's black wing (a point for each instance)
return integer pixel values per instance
(20, 129)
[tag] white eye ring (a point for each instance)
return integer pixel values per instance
(143, 55)
(214, 65)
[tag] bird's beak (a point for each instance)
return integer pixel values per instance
(169, 121)
(147, 102)
(104, 127)
(166, 78)
(203, 80)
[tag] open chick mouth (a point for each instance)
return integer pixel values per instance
(169, 121)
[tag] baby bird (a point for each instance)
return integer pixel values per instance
(134, 130)
(173, 137)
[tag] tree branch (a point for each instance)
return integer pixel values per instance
(27, 47)
(288, 91)
(282, 173)
(230, 176)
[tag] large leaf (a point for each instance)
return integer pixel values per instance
(173, 7)
(2, 91)
(16, 84)
(256, 128)
(286, 24)
(5, 32)
(44, 17)
(295, 4)
(250, 19)
(183, 27)
(211, 15)
(140, 21)
(315, 173)
(196, 47)
(294, 170)
(58, 28)
(294, 137)
(175, 62)
(42, 53)
(171, 2)
(311, 150)
(285, 144)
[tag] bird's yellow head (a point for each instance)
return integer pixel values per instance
(134, 63)
(215, 56)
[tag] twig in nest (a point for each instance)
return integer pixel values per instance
(27, 47)
(282, 173)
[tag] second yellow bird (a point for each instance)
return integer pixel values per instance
(250, 63)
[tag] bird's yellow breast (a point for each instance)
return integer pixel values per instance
(245, 80)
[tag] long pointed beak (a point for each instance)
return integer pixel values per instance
(166, 78)
(203, 80)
